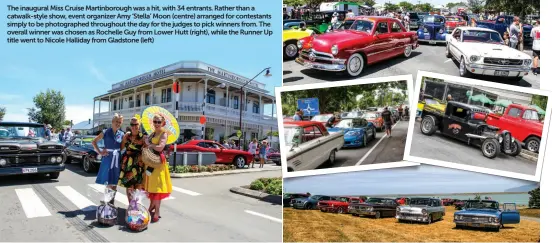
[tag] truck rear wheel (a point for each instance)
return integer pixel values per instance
(490, 148)
(428, 125)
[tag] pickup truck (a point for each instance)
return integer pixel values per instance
(521, 121)
(308, 144)
(502, 23)
(486, 214)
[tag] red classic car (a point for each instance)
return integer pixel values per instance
(452, 22)
(338, 204)
(224, 155)
(368, 40)
(324, 118)
(374, 117)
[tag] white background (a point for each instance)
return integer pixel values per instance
(546, 84)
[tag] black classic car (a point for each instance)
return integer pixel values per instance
(80, 148)
(24, 150)
(376, 207)
(462, 122)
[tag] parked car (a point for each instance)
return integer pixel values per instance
(308, 145)
(486, 214)
(432, 103)
(447, 201)
(376, 207)
(451, 22)
(357, 131)
(274, 156)
(368, 40)
(338, 204)
(351, 114)
(458, 205)
(375, 118)
(425, 210)
(402, 200)
(458, 122)
(482, 51)
(80, 148)
(324, 118)
(290, 38)
(522, 121)
(308, 202)
(224, 155)
(286, 200)
(23, 150)
(432, 29)
(502, 23)
(415, 20)
(322, 20)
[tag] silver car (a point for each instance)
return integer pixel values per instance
(425, 210)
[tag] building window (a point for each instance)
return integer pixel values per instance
(120, 103)
(138, 100)
(256, 107)
(130, 102)
(166, 95)
(254, 135)
(210, 98)
(236, 102)
(114, 105)
(147, 99)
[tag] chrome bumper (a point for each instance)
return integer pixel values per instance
(321, 66)
(478, 225)
(500, 68)
(312, 59)
(417, 218)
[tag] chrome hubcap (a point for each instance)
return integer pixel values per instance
(426, 126)
(408, 50)
(332, 156)
(354, 64)
(241, 162)
(86, 164)
(291, 50)
(490, 148)
(533, 146)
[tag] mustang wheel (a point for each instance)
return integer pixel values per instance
(290, 50)
(428, 125)
(429, 219)
(331, 159)
(407, 51)
(490, 148)
(447, 52)
(533, 144)
(239, 161)
(462, 69)
(355, 64)
(378, 214)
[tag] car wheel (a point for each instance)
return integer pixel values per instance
(462, 69)
(407, 51)
(364, 140)
(331, 159)
(340, 210)
(53, 175)
(447, 52)
(378, 214)
(308, 206)
(516, 149)
(533, 144)
(87, 165)
(355, 65)
(429, 219)
(428, 125)
(490, 148)
(290, 50)
(373, 133)
(239, 162)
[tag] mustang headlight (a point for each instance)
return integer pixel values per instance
(53, 159)
(490, 219)
(352, 133)
(59, 159)
(527, 62)
(300, 44)
(335, 50)
(474, 58)
(496, 220)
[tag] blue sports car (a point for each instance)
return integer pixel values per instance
(358, 132)
(486, 214)
(432, 29)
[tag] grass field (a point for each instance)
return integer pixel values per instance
(313, 225)
(530, 212)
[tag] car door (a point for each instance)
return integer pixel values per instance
(454, 43)
(510, 214)
(511, 120)
(455, 122)
(383, 42)
(322, 146)
(400, 38)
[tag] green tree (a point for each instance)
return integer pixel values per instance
(391, 7)
(451, 5)
(406, 6)
(424, 7)
(294, 3)
(67, 123)
(516, 7)
(476, 6)
(477, 197)
(534, 198)
(370, 3)
(49, 108)
(540, 101)
(2, 113)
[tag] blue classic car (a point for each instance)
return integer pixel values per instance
(486, 214)
(308, 202)
(502, 23)
(432, 29)
(358, 132)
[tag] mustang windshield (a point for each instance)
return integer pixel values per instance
(292, 135)
(363, 25)
(420, 201)
(321, 118)
(481, 36)
(21, 131)
(481, 205)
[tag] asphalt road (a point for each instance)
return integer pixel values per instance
(381, 150)
(200, 209)
(443, 148)
(425, 58)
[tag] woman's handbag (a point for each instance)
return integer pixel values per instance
(150, 158)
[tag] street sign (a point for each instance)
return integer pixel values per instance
(202, 120)
(309, 106)
(176, 87)
(239, 133)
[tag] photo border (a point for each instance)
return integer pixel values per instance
(544, 138)
(279, 90)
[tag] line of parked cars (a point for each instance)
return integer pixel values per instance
(472, 213)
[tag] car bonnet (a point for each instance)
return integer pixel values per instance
(492, 50)
(478, 212)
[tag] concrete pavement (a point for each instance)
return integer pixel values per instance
(440, 147)
(425, 58)
(199, 209)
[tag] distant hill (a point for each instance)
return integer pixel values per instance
(523, 188)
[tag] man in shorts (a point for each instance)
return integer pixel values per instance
(387, 121)
(535, 34)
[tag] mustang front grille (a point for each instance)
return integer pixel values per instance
(502, 61)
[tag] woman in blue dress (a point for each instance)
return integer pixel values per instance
(109, 170)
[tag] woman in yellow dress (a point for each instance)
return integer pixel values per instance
(158, 180)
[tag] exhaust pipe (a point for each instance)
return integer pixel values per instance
(469, 135)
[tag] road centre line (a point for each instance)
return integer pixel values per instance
(372, 149)
(264, 216)
(31, 203)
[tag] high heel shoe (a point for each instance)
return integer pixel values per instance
(155, 219)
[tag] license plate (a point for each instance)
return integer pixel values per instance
(29, 170)
(474, 225)
(501, 73)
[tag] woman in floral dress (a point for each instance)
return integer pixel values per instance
(132, 168)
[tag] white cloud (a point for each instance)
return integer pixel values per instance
(16, 117)
(97, 73)
(78, 113)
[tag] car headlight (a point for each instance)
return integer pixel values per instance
(496, 220)
(335, 50)
(474, 58)
(398, 209)
(352, 133)
(370, 209)
(53, 159)
(441, 31)
(460, 217)
(424, 212)
(98, 157)
(350, 207)
(300, 44)
(490, 219)
(3, 162)
(425, 30)
(59, 159)
(527, 62)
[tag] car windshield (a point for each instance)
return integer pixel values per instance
(349, 123)
(343, 199)
(481, 36)
(432, 19)
(454, 19)
(420, 201)
(321, 118)
(375, 200)
(346, 25)
(431, 102)
(363, 25)
(21, 131)
(413, 16)
(292, 135)
(531, 115)
(371, 115)
(315, 197)
(481, 205)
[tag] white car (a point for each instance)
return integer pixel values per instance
(482, 51)
(308, 145)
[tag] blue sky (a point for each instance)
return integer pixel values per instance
(83, 71)
(424, 179)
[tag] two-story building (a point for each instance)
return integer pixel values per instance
(198, 80)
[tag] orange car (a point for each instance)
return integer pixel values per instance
(374, 117)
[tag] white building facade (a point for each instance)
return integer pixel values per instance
(198, 80)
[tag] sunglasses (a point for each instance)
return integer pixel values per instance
(157, 122)
(134, 124)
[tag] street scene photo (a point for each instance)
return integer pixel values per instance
(345, 124)
(411, 204)
(491, 40)
(479, 125)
